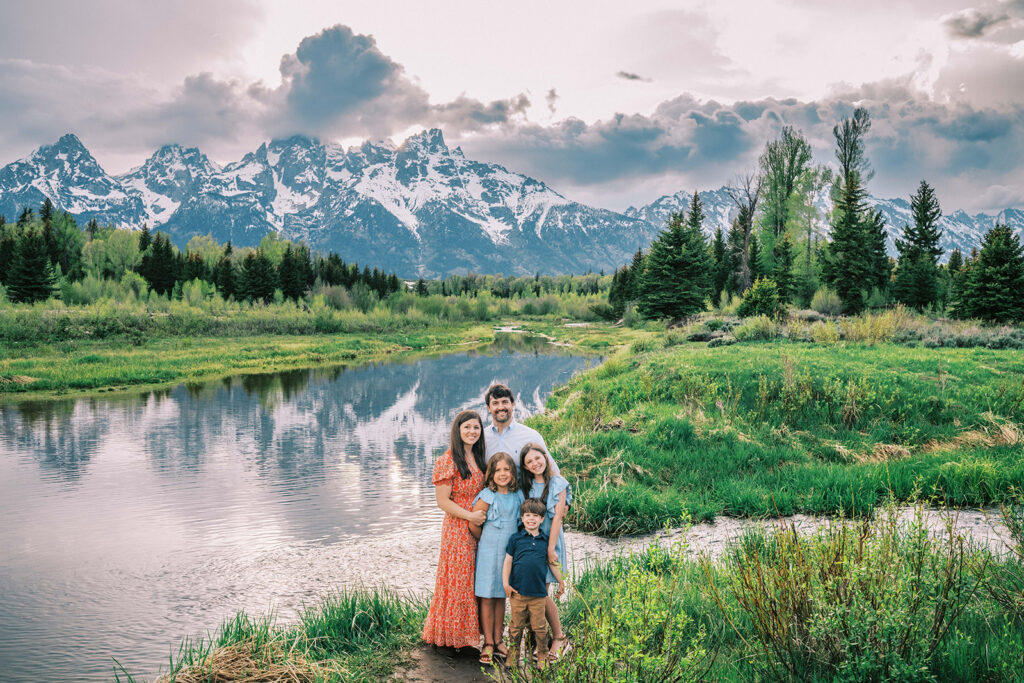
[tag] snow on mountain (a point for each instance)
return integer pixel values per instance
(959, 230)
(73, 180)
(420, 209)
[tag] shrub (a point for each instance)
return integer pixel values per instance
(826, 302)
(714, 324)
(761, 299)
(631, 317)
(726, 340)
(754, 329)
(825, 332)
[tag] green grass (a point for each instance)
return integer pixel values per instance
(867, 601)
(657, 435)
(353, 635)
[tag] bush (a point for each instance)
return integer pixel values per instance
(755, 329)
(631, 317)
(825, 332)
(761, 299)
(826, 302)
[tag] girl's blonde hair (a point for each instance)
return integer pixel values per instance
(526, 476)
(492, 468)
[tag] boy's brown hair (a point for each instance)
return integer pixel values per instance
(534, 506)
(492, 468)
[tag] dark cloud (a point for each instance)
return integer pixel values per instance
(632, 77)
(702, 144)
(973, 23)
(551, 98)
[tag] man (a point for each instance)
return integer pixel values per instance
(504, 434)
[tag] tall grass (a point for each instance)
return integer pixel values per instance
(789, 428)
(353, 635)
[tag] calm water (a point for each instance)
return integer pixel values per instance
(127, 523)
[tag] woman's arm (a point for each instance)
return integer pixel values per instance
(443, 492)
(556, 527)
(477, 529)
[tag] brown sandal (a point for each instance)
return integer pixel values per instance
(487, 654)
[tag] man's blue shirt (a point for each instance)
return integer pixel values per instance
(512, 440)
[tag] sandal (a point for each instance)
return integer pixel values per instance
(555, 652)
(487, 654)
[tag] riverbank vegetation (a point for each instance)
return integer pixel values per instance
(886, 598)
(656, 435)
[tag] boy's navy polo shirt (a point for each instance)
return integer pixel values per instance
(529, 563)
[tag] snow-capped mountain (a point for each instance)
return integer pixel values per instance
(420, 209)
(69, 175)
(959, 230)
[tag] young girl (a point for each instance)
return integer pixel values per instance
(537, 481)
(500, 499)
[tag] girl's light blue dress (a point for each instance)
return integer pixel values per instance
(555, 487)
(502, 522)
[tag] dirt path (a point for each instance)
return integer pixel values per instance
(444, 665)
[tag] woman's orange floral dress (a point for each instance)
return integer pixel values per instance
(452, 620)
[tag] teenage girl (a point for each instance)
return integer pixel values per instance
(537, 481)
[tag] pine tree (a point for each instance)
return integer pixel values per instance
(31, 277)
(675, 281)
(785, 281)
(421, 287)
(719, 263)
(991, 285)
(289, 275)
(256, 279)
(848, 267)
(159, 265)
(194, 268)
(224, 274)
(8, 247)
(917, 273)
(145, 237)
(756, 260)
(92, 227)
(26, 217)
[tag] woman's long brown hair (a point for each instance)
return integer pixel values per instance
(459, 452)
(526, 476)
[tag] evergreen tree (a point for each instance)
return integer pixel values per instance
(675, 282)
(785, 281)
(194, 268)
(256, 280)
(879, 267)
(756, 260)
(224, 274)
(145, 237)
(719, 263)
(421, 287)
(848, 267)
(991, 285)
(32, 276)
(632, 288)
(159, 265)
(8, 247)
(92, 227)
(290, 276)
(917, 273)
(736, 253)
(49, 235)
(26, 217)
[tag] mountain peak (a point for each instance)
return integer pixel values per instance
(430, 139)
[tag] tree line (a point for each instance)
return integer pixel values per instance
(775, 253)
(43, 252)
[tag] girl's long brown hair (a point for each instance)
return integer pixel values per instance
(492, 468)
(526, 476)
(459, 452)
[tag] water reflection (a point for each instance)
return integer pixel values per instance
(138, 514)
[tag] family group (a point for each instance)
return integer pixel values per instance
(504, 502)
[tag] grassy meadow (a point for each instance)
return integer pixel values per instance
(674, 431)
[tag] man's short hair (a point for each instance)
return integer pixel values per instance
(498, 391)
(534, 506)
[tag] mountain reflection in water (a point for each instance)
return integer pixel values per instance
(126, 519)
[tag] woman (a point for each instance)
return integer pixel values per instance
(453, 618)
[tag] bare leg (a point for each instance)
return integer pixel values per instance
(557, 637)
(499, 625)
(487, 620)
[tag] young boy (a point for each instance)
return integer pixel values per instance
(524, 572)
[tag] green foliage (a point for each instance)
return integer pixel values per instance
(31, 277)
(757, 328)
(790, 428)
(762, 299)
(990, 286)
(826, 302)
(675, 282)
(782, 271)
(783, 162)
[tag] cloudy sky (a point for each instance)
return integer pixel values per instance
(611, 103)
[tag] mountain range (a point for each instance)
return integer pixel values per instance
(419, 209)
